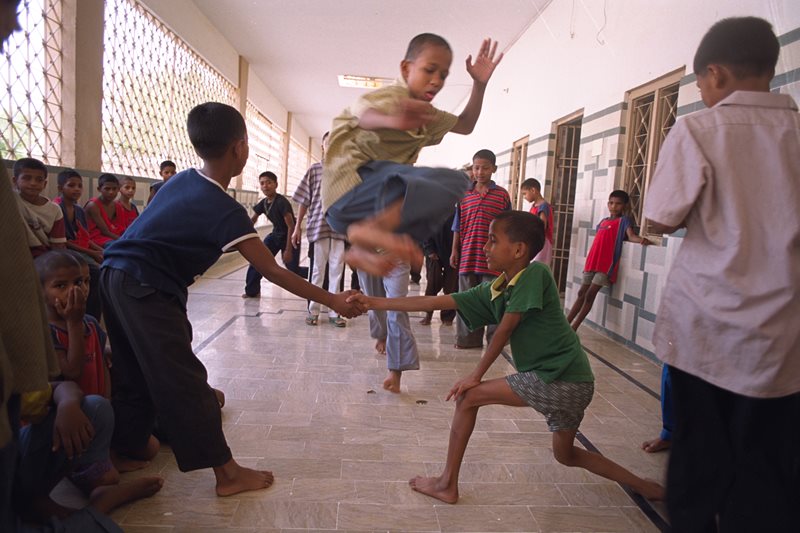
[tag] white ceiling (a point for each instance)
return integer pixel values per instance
(298, 47)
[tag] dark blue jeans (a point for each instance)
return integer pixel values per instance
(276, 245)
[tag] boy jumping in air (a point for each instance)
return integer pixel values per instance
(553, 376)
(370, 190)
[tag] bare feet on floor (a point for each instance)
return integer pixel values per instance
(435, 487)
(425, 321)
(126, 464)
(656, 445)
(233, 478)
(106, 499)
(392, 381)
(380, 346)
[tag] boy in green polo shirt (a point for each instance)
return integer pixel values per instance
(553, 376)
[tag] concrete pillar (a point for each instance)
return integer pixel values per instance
(82, 90)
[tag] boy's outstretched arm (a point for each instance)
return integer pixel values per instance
(408, 303)
(480, 71)
(262, 260)
(508, 323)
(635, 238)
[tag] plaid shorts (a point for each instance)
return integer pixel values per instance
(561, 402)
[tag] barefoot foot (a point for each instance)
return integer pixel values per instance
(233, 478)
(106, 499)
(126, 464)
(656, 445)
(435, 487)
(392, 381)
(426, 321)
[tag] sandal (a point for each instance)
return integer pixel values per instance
(337, 321)
(312, 320)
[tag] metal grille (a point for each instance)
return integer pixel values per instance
(30, 103)
(266, 147)
(298, 164)
(653, 112)
(151, 80)
(562, 198)
(519, 160)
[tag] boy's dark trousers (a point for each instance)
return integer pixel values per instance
(276, 245)
(156, 373)
(441, 277)
(734, 462)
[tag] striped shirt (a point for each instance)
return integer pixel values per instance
(308, 195)
(475, 212)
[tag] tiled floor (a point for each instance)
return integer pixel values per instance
(307, 403)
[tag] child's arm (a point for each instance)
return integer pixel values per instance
(288, 217)
(635, 238)
(480, 72)
(543, 218)
(663, 229)
(97, 255)
(71, 430)
(501, 335)
(262, 260)
(298, 232)
(454, 259)
(407, 303)
(72, 311)
(410, 115)
(93, 211)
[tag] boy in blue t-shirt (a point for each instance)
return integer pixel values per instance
(553, 376)
(145, 277)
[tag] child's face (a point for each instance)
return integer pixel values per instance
(108, 191)
(616, 206)
(128, 189)
(500, 251)
(63, 280)
(482, 170)
(72, 189)
(167, 172)
(86, 279)
(268, 186)
(529, 195)
(30, 183)
(425, 74)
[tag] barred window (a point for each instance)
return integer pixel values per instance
(652, 115)
(151, 80)
(30, 102)
(266, 148)
(298, 164)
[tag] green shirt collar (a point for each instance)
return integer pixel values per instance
(499, 285)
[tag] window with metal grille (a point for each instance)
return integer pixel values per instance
(30, 101)
(298, 164)
(151, 80)
(652, 115)
(266, 148)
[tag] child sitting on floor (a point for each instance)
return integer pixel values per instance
(370, 190)
(104, 214)
(553, 376)
(127, 190)
(44, 220)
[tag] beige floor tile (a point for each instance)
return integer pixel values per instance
(531, 494)
(285, 514)
(179, 510)
(485, 518)
(387, 517)
(581, 519)
(595, 495)
(381, 470)
(323, 490)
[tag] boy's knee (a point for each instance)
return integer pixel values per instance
(99, 412)
(564, 456)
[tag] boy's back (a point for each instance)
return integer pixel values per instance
(729, 314)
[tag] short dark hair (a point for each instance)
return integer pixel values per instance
(167, 163)
(78, 257)
(127, 178)
(65, 175)
(622, 195)
(106, 178)
(269, 175)
(29, 163)
(213, 127)
(747, 45)
(49, 262)
(521, 226)
(485, 154)
(531, 183)
(422, 40)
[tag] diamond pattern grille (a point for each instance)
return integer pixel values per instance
(151, 80)
(266, 148)
(30, 101)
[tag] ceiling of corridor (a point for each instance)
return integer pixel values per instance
(298, 47)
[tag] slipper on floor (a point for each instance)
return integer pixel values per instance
(312, 320)
(337, 321)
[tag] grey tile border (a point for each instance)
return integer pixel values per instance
(546, 137)
(628, 299)
(590, 166)
(789, 37)
(622, 340)
(621, 106)
(541, 154)
(646, 315)
(785, 79)
(600, 172)
(615, 163)
(620, 130)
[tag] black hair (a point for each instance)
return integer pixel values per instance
(213, 127)
(531, 183)
(485, 154)
(622, 195)
(167, 163)
(127, 178)
(422, 40)
(78, 257)
(521, 226)
(269, 175)
(51, 261)
(106, 178)
(747, 45)
(28, 163)
(65, 175)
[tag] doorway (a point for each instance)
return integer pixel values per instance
(562, 195)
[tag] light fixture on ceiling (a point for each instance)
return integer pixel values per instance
(363, 82)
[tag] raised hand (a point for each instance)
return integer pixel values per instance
(481, 71)
(74, 308)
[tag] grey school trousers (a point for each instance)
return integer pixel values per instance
(464, 337)
(394, 326)
(156, 373)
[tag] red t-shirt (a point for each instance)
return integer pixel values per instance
(113, 225)
(93, 377)
(601, 255)
(547, 209)
(126, 216)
